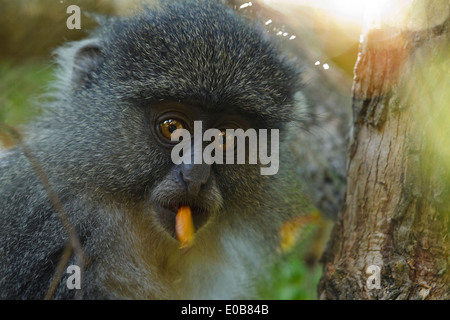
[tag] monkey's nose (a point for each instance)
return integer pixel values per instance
(194, 176)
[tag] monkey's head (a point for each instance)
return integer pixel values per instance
(136, 81)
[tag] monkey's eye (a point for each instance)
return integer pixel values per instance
(168, 127)
(225, 141)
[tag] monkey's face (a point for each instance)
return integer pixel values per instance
(206, 177)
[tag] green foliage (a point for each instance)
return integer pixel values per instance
(20, 88)
(292, 278)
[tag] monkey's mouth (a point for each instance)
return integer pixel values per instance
(190, 215)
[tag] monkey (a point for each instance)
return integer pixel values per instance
(104, 141)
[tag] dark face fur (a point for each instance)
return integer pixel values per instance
(171, 65)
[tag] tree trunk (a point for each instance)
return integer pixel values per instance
(391, 239)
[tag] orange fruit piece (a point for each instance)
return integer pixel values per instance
(184, 227)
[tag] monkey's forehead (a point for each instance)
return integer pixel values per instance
(201, 51)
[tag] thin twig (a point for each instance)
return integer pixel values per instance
(67, 253)
(74, 241)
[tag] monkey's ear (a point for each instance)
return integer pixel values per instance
(86, 57)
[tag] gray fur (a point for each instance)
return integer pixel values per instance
(94, 144)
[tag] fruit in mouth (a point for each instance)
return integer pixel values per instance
(184, 227)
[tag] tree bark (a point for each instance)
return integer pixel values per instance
(391, 239)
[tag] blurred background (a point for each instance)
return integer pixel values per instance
(322, 35)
